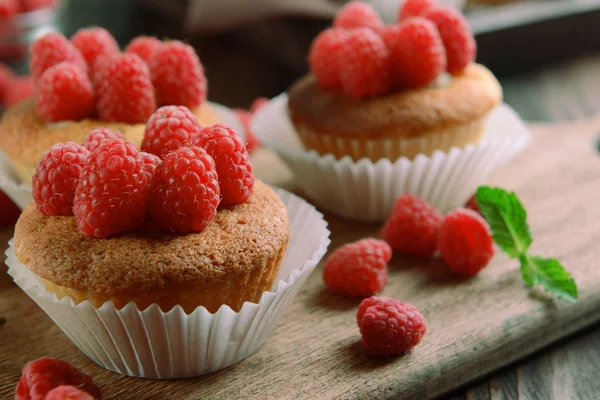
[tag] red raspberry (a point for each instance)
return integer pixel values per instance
(151, 163)
(143, 46)
(185, 192)
(19, 89)
(366, 303)
(42, 375)
(168, 129)
(258, 103)
(457, 37)
(359, 268)
(65, 93)
(56, 177)
(390, 327)
(9, 212)
(245, 117)
(358, 14)
(100, 68)
(415, 8)
(472, 205)
(93, 42)
(51, 49)
(65, 392)
(416, 51)
(324, 58)
(232, 162)
(125, 93)
(6, 76)
(112, 192)
(413, 226)
(178, 75)
(99, 135)
(465, 242)
(364, 64)
(32, 5)
(8, 8)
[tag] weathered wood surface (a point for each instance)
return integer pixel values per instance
(475, 326)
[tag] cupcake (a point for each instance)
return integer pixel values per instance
(399, 91)
(86, 83)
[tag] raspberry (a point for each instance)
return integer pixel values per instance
(98, 135)
(369, 302)
(413, 226)
(472, 205)
(9, 212)
(233, 165)
(324, 58)
(364, 64)
(415, 8)
(390, 327)
(185, 191)
(56, 177)
(8, 8)
(93, 42)
(258, 103)
(125, 93)
(358, 14)
(168, 129)
(151, 163)
(44, 374)
(416, 51)
(359, 268)
(465, 242)
(245, 117)
(112, 192)
(51, 49)
(19, 89)
(32, 5)
(178, 75)
(143, 46)
(6, 76)
(65, 93)
(457, 37)
(66, 392)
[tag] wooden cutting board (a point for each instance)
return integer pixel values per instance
(474, 326)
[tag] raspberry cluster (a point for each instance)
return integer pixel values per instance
(88, 77)
(364, 58)
(179, 179)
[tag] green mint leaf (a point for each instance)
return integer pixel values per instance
(507, 219)
(549, 273)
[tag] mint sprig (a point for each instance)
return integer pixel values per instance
(507, 218)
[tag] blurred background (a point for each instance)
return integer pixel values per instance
(546, 53)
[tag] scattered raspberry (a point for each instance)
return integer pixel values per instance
(369, 302)
(472, 205)
(112, 192)
(258, 103)
(125, 93)
(151, 163)
(358, 14)
(168, 129)
(65, 93)
(56, 177)
(6, 76)
(42, 375)
(390, 327)
(19, 89)
(65, 392)
(416, 51)
(457, 37)
(245, 117)
(415, 8)
(185, 191)
(32, 5)
(413, 226)
(8, 8)
(143, 46)
(51, 49)
(99, 135)
(364, 64)
(93, 42)
(359, 268)
(232, 162)
(178, 75)
(324, 57)
(465, 242)
(9, 212)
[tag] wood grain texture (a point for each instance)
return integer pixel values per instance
(475, 326)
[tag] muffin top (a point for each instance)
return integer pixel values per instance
(407, 113)
(148, 257)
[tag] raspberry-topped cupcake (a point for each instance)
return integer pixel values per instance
(86, 83)
(394, 91)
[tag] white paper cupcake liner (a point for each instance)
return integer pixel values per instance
(166, 345)
(366, 190)
(20, 192)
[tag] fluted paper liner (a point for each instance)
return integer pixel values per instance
(20, 192)
(366, 190)
(164, 345)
